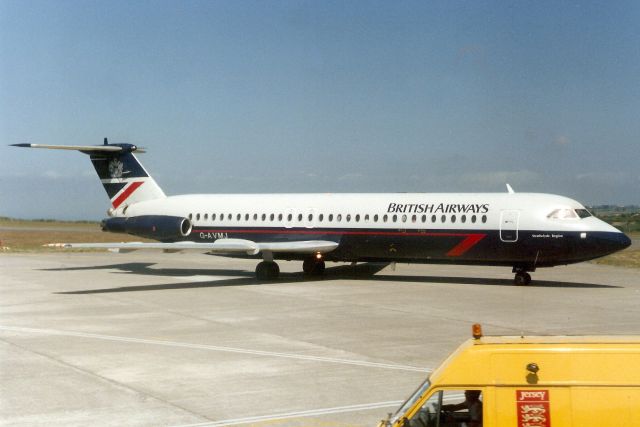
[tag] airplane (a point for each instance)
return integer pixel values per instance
(524, 231)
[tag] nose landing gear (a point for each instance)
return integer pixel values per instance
(522, 278)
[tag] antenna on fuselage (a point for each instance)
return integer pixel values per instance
(509, 189)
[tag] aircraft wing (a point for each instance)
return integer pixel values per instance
(220, 246)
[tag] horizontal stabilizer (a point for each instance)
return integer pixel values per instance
(109, 148)
(220, 246)
(85, 148)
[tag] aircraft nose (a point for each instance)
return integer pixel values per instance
(624, 241)
(603, 243)
(617, 242)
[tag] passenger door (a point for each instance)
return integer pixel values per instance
(509, 225)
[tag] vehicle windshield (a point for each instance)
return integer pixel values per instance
(411, 401)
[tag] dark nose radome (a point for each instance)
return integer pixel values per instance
(624, 241)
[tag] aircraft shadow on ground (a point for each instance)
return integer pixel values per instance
(363, 271)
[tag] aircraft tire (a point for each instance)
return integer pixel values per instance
(307, 265)
(522, 279)
(313, 267)
(267, 270)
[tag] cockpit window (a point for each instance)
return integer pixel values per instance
(563, 214)
(583, 213)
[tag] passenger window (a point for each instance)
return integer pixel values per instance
(424, 218)
(453, 218)
(366, 218)
(221, 217)
(463, 219)
(443, 218)
(395, 218)
(339, 217)
(375, 218)
(246, 217)
(213, 217)
(289, 217)
(330, 217)
(264, 217)
(300, 217)
(414, 218)
(198, 217)
(206, 216)
(404, 218)
(384, 218)
(473, 219)
(191, 216)
(279, 217)
(348, 217)
(450, 408)
(229, 216)
(238, 217)
(320, 217)
(358, 218)
(433, 218)
(484, 219)
(272, 217)
(310, 217)
(255, 216)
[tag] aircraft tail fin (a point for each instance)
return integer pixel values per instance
(122, 175)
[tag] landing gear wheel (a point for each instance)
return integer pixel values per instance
(267, 270)
(313, 266)
(522, 278)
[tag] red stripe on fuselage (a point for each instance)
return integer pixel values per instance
(466, 244)
(126, 193)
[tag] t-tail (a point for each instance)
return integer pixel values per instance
(124, 179)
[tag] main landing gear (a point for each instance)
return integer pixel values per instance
(313, 266)
(522, 278)
(267, 270)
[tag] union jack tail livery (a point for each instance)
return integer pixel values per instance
(124, 179)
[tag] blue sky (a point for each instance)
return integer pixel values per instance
(321, 97)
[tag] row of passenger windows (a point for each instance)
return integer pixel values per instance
(338, 218)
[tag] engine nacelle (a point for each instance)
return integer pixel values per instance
(158, 227)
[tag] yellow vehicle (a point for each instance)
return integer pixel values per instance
(530, 382)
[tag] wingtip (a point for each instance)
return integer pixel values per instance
(20, 145)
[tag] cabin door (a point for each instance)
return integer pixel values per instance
(509, 225)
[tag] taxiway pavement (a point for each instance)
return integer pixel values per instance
(151, 339)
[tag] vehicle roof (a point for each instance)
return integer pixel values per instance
(558, 339)
(562, 360)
